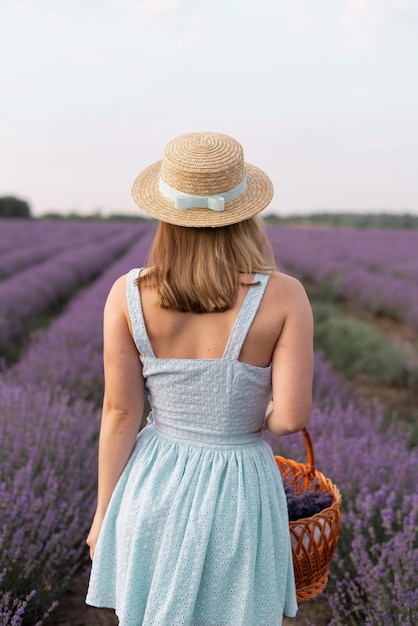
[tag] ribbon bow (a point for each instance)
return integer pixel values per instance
(184, 201)
(216, 203)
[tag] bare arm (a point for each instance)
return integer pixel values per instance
(123, 401)
(292, 365)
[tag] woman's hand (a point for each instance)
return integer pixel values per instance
(94, 533)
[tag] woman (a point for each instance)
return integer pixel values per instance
(191, 526)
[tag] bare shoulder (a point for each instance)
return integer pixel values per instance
(285, 281)
(118, 288)
(116, 300)
(287, 289)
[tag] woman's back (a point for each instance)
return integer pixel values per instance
(280, 334)
(185, 335)
(208, 397)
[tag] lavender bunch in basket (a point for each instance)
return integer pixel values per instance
(305, 503)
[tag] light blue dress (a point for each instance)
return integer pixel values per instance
(196, 533)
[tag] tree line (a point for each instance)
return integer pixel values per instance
(14, 207)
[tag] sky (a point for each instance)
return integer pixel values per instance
(322, 95)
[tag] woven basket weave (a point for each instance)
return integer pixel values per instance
(313, 539)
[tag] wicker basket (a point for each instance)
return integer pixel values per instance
(313, 539)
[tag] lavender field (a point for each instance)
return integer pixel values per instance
(373, 269)
(51, 389)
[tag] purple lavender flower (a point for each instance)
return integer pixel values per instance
(48, 435)
(49, 283)
(305, 503)
(376, 269)
(49, 420)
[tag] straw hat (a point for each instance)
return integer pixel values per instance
(202, 180)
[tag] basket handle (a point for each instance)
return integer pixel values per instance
(310, 457)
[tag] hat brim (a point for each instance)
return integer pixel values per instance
(147, 195)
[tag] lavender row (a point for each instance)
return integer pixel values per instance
(69, 353)
(16, 234)
(371, 268)
(47, 244)
(24, 297)
(389, 252)
(384, 295)
(47, 493)
(373, 576)
(48, 433)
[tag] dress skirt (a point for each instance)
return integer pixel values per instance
(196, 534)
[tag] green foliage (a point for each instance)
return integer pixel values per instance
(356, 347)
(329, 289)
(14, 207)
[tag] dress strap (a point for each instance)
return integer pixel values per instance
(133, 298)
(246, 316)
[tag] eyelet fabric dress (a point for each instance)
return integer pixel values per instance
(197, 532)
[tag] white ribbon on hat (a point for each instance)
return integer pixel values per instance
(216, 202)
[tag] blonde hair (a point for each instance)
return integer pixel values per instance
(198, 269)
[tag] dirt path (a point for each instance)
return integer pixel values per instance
(72, 610)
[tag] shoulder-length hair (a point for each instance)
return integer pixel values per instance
(198, 269)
